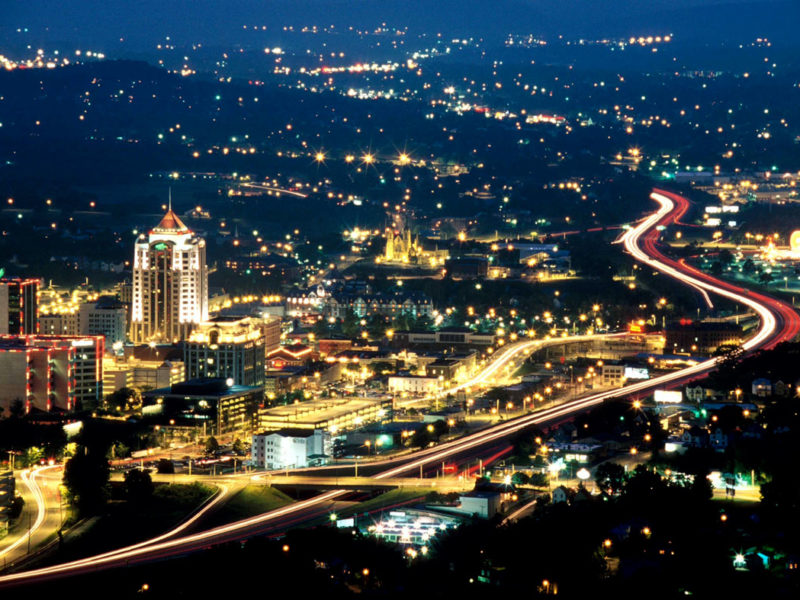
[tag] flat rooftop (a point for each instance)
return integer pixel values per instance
(323, 409)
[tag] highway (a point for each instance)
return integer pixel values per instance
(505, 361)
(43, 508)
(778, 322)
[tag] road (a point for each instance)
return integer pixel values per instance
(778, 323)
(503, 363)
(42, 515)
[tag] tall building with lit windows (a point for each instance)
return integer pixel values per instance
(18, 306)
(170, 283)
(226, 348)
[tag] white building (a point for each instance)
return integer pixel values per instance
(107, 318)
(413, 384)
(290, 448)
(170, 283)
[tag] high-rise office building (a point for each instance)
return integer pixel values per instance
(170, 283)
(227, 348)
(18, 306)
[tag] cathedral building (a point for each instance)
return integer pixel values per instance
(401, 248)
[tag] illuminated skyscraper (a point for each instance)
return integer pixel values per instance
(170, 283)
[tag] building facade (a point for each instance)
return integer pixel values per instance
(170, 283)
(210, 404)
(389, 304)
(413, 384)
(106, 317)
(226, 348)
(700, 337)
(290, 448)
(19, 306)
(335, 415)
(51, 372)
(121, 373)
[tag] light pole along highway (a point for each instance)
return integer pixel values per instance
(778, 322)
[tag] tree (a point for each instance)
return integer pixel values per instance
(781, 494)
(119, 450)
(539, 480)
(725, 256)
(643, 486)
(15, 507)
(440, 427)
(138, 486)
(123, 399)
(239, 447)
(701, 487)
(421, 438)
(17, 410)
(765, 277)
(212, 445)
(32, 456)
(520, 478)
(165, 466)
(86, 478)
(350, 325)
(610, 477)
(321, 328)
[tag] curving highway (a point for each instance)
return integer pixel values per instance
(17, 548)
(778, 322)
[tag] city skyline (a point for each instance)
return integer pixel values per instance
(379, 299)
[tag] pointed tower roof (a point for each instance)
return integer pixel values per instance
(170, 223)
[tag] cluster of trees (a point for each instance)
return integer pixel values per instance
(351, 326)
(424, 436)
(29, 442)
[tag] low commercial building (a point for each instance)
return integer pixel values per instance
(452, 367)
(335, 415)
(411, 526)
(612, 374)
(699, 337)
(450, 336)
(290, 448)
(468, 267)
(330, 345)
(212, 404)
(294, 355)
(413, 384)
(140, 374)
(480, 504)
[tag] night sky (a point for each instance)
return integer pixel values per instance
(140, 22)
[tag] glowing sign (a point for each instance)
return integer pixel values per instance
(668, 396)
(636, 373)
(794, 241)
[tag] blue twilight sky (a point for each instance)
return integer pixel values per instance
(140, 22)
